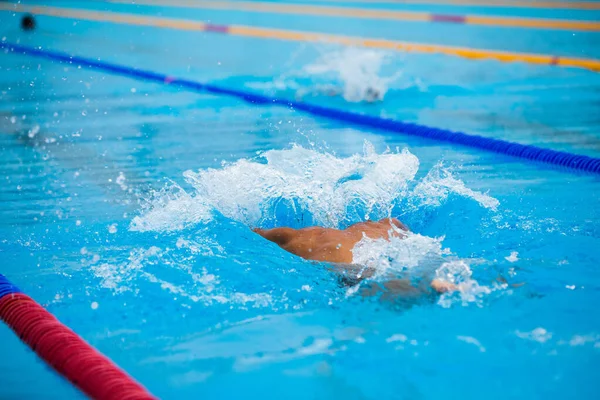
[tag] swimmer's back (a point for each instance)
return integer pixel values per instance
(314, 243)
(328, 244)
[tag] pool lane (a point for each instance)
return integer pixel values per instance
(566, 5)
(153, 318)
(364, 13)
(539, 105)
(526, 152)
(536, 10)
(308, 36)
(184, 139)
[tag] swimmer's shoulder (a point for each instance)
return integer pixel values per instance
(281, 236)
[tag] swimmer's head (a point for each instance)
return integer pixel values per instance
(372, 94)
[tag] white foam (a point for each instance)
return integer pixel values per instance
(473, 341)
(207, 290)
(396, 255)
(539, 335)
(440, 183)
(330, 189)
(33, 131)
(397, 337)
(204, 246)
(580, 340)
(317, 183)
(171, 209)
(513, 257)
(121, 181)
(469, 291)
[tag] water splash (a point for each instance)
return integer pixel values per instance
(440, 183)
(397, 256)
(458, 272)
(356, 74)
(357, 71)
(170, 209)
(421, 258)
(301, 187)
(198, 287)
(297, 186)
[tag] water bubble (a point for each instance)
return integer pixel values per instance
(121, 181)
(33, 131)
(513, 257)
(539, 334)
(473, 341)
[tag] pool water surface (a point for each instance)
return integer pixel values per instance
(126, 210)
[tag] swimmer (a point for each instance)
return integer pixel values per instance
(335, 245)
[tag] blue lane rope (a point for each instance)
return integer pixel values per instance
(6, 287)
(528, 152)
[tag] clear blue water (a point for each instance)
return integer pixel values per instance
(125, 210)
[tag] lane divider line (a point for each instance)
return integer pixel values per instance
(64, 350)
(527, 152)
(299, 36)
(554, 4)
(345, 12)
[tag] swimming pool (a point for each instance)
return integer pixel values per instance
(126, 204)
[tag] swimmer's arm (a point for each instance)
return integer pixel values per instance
(443, 286)
(403, 288)
(352, 274)
(390, 290)
(281, 236)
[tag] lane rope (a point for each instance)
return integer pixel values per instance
(524, 151)
(365, 13)
(303, 36)
(552, 4)
(62, 349)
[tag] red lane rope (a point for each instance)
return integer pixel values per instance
(66, 352)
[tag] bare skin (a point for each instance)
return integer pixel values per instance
(328, 244)
(335, 245)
